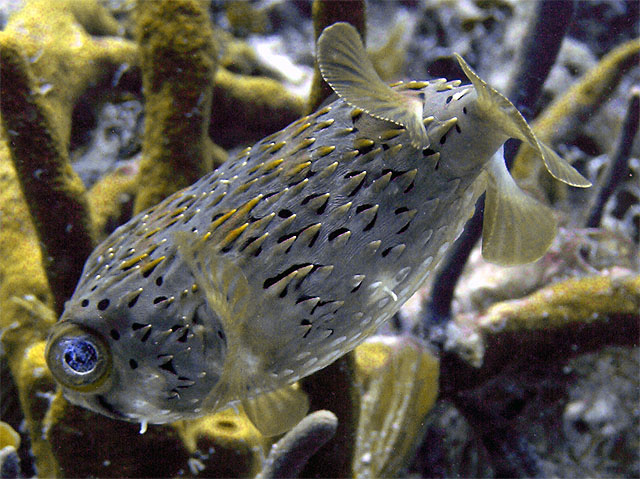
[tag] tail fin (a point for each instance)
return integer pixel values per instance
(506, 116)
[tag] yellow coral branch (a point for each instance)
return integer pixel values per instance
(326, 13)
(54, 193)
(178, 60)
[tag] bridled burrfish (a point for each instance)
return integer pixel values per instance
(288, 256)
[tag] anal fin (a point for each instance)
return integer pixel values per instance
(277, 411)
(517, 229)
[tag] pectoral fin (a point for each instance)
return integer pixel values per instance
(504, 115)
(345, 66)
(277, 411)
(516, 228)
(226, 287)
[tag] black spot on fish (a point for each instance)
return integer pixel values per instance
(274, 279)
(464, 110)
(103, 304)
(401, 210)
(386, 251)
(159, 281)
(335, 233)
(363, 207)
(159, 299)
(385, 146)
(284, 213)
(458, 128)
(303, 298)
(133, 364)
(114, 334)
(168, 366)
(85, 303)
(394, 173)
(443, 139)
(371, 223)
(183, 336)
(404, 228)
(221, 334)
(138, 326)
(449, 98)
(146, 335)
(366, 149)
(313, 240)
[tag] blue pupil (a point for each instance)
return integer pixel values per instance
(80, 356)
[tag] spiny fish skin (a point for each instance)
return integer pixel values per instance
(316, 235)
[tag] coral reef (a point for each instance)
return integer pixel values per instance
(536, 373)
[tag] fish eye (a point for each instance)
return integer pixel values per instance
(78, 358)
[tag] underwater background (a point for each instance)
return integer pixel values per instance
(517, 372)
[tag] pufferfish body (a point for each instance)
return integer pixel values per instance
(290, 255)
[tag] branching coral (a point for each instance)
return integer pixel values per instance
(327, 13)
(289, 455)
(54, 193)
(178, 60)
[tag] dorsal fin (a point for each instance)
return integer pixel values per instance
(345, 66)
(507, 117)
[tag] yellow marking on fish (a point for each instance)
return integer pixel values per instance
(445, 87)
(349, 155)
(416, 85)
(152, 232)
(152, 264)
(363, 143)
(133, 261)
(249, 205)
(177, 211)
(222, 219)
(328, 171)
(233, 234)
(301, 145)
(345, 131)
(324, 151)
(277, 146)
(300, 129)
(273, 164)
(324, 124)
(152, 248)
(266, 146)
(194, 288)
(255, 168)
(323, 111)
(298, 168)
(356, 112)
(245, 186)
(390, 134)
(218, 199)
(245, 152)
